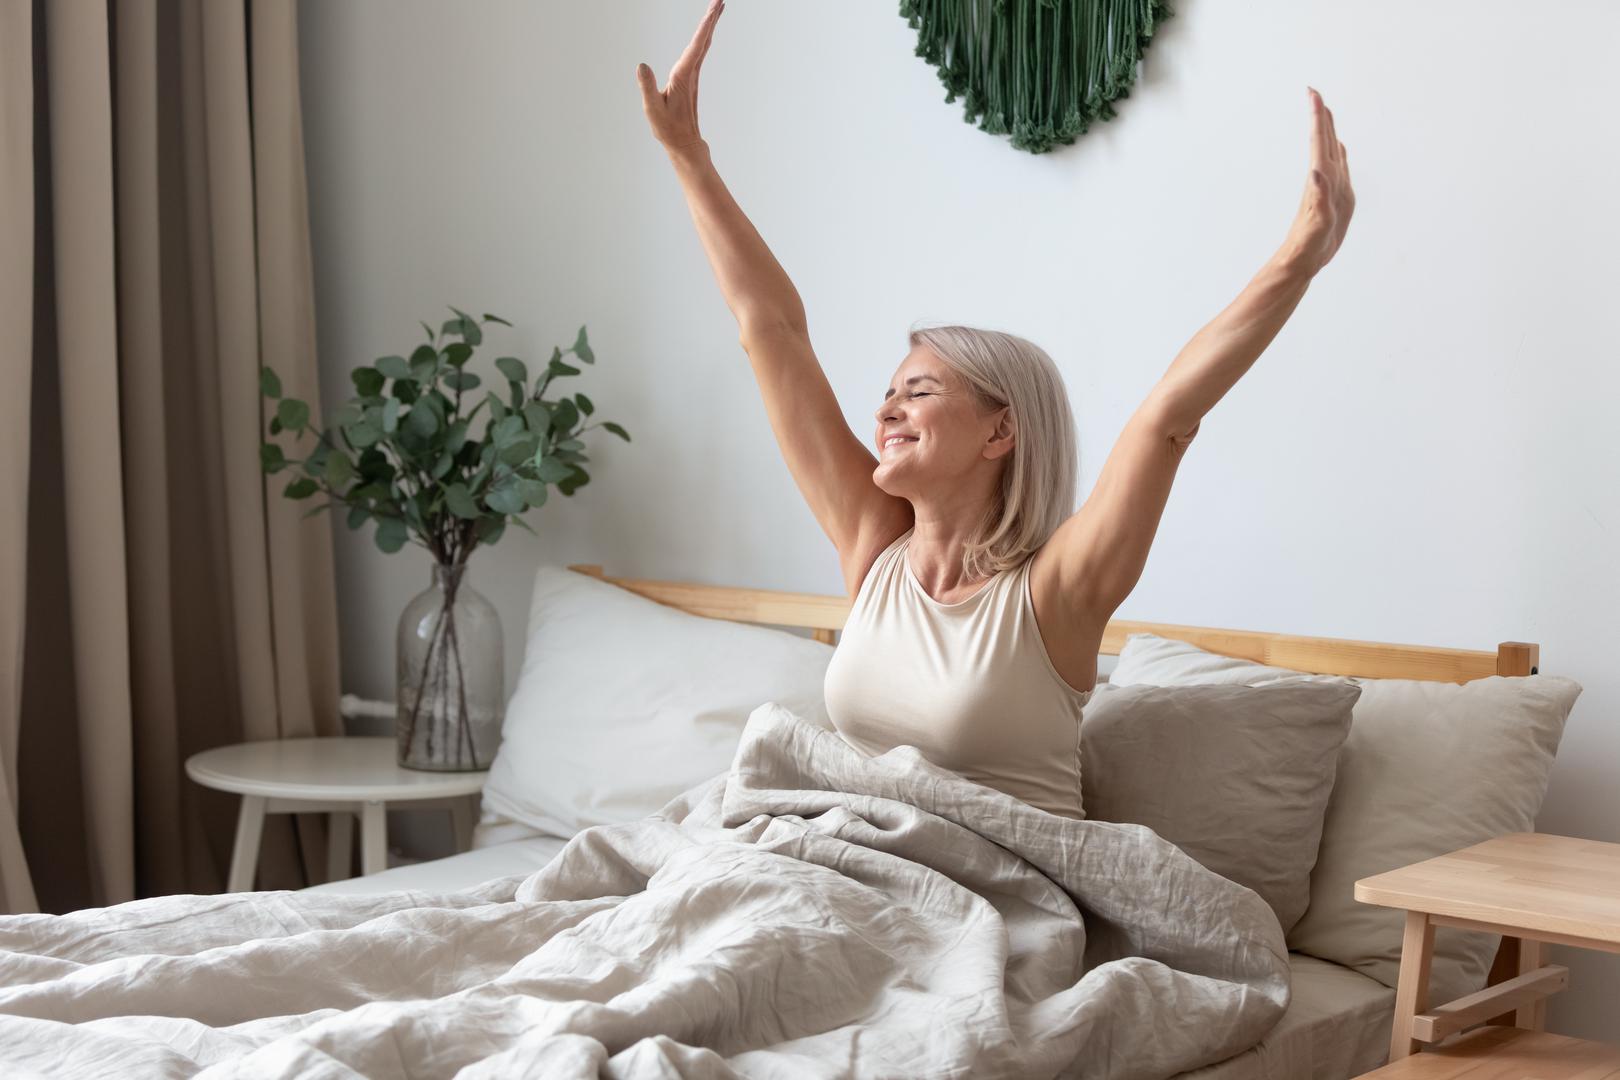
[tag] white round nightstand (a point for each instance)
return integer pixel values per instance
(343, 775)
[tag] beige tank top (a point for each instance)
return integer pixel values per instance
(969, 684)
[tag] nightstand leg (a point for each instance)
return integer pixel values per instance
(461, 822)
(1532, 955)
(1412, 994)
(245, 852)
(373, 837)
(339, 845)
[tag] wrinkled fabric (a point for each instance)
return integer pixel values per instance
(813, 912)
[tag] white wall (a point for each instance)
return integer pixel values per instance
(1426, 454)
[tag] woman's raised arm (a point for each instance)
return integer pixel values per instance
(1094, 559)
(833, 468)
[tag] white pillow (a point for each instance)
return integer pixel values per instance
(623, 703)
(1428, 767)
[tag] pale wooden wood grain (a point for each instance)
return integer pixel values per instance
(1499, 1053)
(1325, 656)
(1412, 990)
(1550, 888)
(1520, 992)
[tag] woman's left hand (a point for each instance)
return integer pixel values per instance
(1324, 211)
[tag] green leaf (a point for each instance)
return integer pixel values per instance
(617, 430)
(462, 381)
(358, 516)
(374, 464)
(406, 390)
(564, 415)
(292, 413)
(465, 326)
(390, 415)
(275, 425)
(442, 466)
(513, 369)
(456, 437)
(315, 464)
(424, 363)
(582, 348)
(519, 449)
(362, 435)
(524, 525)
(504, 498)
(368, 382)
(557, 367)
(422, 420)
(460, 501)
(570, 444)
(506, 429)
(495, 318)
(316, 510)
(394, 367)
(339, 471)
(574, 482)
(497, 410)
(269, 383)
(489, 528)
(271, 459)
(431, 335)
(301, 488)
(533, 492)
(391, 534)
(584, 403)
(538, 417)
(346, 414)
(456, 353)
(552, 471)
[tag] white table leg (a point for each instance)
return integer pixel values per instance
(339, 844)
(245, 853)
(373, 837)
(461, 821)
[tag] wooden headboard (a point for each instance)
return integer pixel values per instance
(824, 616)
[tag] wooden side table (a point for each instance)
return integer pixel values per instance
(1531, 886)
(346, 776)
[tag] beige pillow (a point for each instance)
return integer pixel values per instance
(1238, 777)
(1428, 767)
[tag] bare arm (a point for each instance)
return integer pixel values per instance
(1101, 550)
(832, 468)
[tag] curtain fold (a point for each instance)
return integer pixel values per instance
(16, 347)
(175, 601)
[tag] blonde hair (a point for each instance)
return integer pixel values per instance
(1038, 483)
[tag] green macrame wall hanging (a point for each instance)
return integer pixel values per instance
(1038, 70)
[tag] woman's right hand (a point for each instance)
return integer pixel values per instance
(672, 111)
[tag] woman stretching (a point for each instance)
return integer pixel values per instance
(978, 598)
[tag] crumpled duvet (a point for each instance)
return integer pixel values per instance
(813, 912)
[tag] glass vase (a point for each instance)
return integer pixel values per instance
(452, 684)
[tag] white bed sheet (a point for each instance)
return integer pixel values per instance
(1336, 1027)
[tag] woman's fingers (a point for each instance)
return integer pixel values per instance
(1318, 131)
(692, 58)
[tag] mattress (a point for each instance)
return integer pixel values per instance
(456, 872)
(1337, 1024)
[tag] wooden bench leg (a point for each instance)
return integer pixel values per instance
(245, 852)
(1532, 954)
(1412, 993)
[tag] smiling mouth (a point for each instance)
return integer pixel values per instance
(897, 440)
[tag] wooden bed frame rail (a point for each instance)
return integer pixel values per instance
(824, 616)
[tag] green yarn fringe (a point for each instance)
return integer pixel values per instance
(1038, 70)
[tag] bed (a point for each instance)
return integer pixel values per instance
(673, 811)
(1337, 1024)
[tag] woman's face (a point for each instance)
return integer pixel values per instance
(933, 435)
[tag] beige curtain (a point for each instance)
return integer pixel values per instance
(160, 596)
